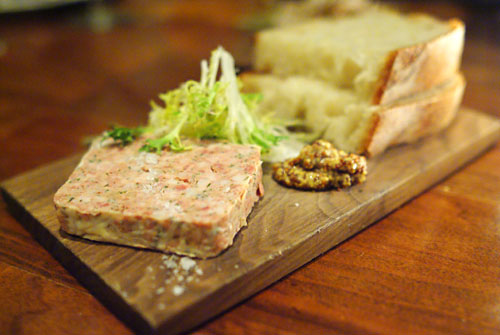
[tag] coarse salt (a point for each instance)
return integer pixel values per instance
(187, 263)
(177, 290)
(170, 264)
(151, 158)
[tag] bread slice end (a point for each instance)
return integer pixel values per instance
(411, 119)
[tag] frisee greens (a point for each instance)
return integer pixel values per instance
(212, 108)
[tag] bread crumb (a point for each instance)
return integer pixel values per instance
(149, 268)
(161, 306)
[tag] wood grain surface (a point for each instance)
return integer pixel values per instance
(430, 267)
(152, 292)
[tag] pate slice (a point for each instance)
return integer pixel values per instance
(191, 203)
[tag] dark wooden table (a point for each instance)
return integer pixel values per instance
(431, 267)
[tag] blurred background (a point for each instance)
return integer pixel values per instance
(83, 65)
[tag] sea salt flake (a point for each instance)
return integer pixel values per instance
(177, 290)
(198, 271)
(151, 158)
(161, 306)
(149, 268)
(170, 264)
(187, 263)
(160, 290)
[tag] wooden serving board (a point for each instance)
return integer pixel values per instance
(287, 228)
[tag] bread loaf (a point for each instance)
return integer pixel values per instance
(353, 124)
(356, 78)
(380, 54)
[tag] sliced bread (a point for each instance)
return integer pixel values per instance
(352, 123)
(379, 54)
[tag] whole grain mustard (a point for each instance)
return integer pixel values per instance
(320, 166)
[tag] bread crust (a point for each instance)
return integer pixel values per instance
(408, 121)
(403, 121)
(405, 71)
(410, 70)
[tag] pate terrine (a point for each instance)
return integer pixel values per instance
(191, 203)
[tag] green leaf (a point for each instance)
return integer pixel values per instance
(157, 145)
(123, 135)
(212, 108)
